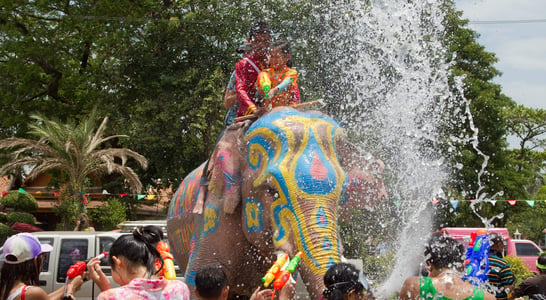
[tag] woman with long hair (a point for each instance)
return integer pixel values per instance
(133, 260)
(83, 223)
(20, 275)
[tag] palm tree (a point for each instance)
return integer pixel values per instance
(76, 150)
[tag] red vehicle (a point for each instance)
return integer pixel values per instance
(526, 250)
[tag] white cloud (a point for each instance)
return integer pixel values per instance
(525, 54)
(530, 95)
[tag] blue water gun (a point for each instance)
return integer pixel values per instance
(477, 258)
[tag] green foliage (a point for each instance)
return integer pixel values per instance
(19, 201)
(3, 217)
(108, 215)
(378, 268)
(519, 269)
(5, 232)
(67, 209)
(21, 217)
(526, 221)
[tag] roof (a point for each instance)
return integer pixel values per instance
(128, 226)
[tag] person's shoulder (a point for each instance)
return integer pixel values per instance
(177, 287)
(410, 288)
(116, 293)
(35, 293)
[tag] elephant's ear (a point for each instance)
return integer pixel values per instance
(224, 168)
(365, 188)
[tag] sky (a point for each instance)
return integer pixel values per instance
(519, 46)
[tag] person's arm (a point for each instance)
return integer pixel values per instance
(37, 293)
(508, 281)
(261, 294)
(288, 291)
(96, 274)
(230, 98)
(410, 289)
(240, 87)
(295, 95)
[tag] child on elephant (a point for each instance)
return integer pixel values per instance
(211, 284)
(278, 84)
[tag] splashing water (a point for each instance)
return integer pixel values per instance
(394, 85)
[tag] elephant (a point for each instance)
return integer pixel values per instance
(277, 185)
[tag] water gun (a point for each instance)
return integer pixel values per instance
(78, 268)
(281, 270)
(168, 270)
(477, 258)
(264, 83)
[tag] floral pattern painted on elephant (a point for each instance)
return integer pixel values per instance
(210, 222)
(253, 209)
(307, 172)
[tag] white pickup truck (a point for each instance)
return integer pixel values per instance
(70, 247)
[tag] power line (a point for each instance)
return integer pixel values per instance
(508, 21)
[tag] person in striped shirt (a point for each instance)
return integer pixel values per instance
(500, 277)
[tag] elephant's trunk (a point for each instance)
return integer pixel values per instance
(317, 239)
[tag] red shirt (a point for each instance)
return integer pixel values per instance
(245, 78)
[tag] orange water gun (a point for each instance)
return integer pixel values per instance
(264, 82)
(281, 270)
(168, 270)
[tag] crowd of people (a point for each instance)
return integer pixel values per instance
(136, 266)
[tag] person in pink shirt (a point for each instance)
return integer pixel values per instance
(133, 260)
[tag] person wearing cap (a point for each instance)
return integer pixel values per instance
(500, 276)
(248, 68)
(534, 287)
(23, 257)
(343, 281)
(445, 259)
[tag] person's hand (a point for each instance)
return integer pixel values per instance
(260, 112)
(288, 291)
(273, 92)
(261, 295)
(250, 110)
(95, 273)
(74, 285)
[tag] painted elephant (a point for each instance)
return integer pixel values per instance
(279, 184)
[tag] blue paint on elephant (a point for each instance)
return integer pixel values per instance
(190, 279)
(322, 219)
(314, 173)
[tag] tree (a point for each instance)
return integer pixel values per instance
(528, 125)
(78, 151)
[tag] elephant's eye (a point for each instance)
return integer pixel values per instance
(273, 192)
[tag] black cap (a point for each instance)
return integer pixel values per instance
(243, 48)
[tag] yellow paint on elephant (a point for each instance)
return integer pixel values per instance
(252, 212)
(281, 171)
(210, 220)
